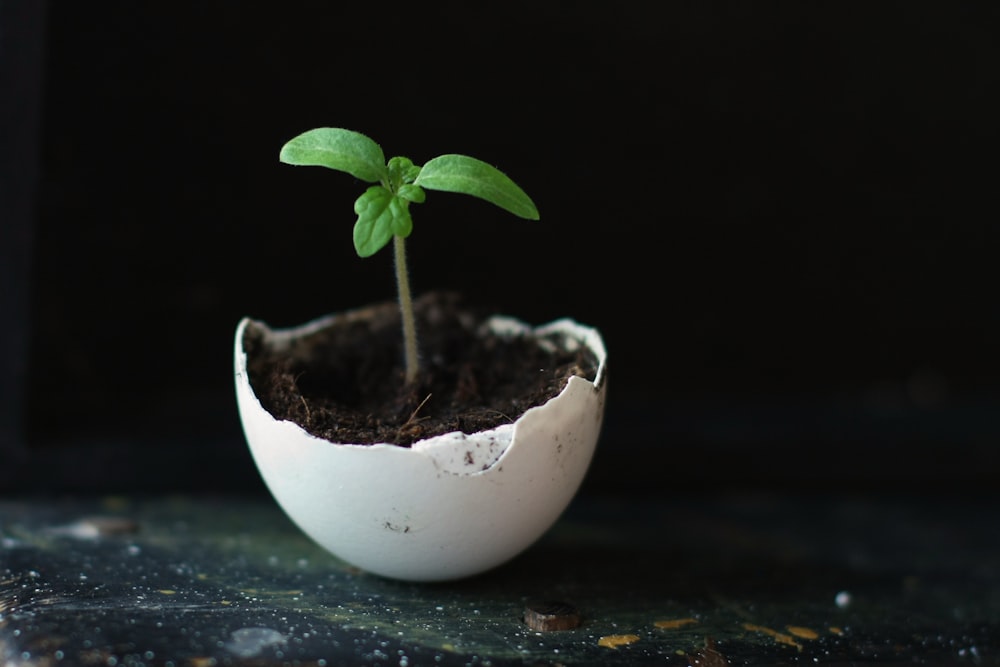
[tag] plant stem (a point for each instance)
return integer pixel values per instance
(406, 310)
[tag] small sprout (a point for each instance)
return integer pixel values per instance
(384, 209)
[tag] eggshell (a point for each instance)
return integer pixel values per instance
(447, 507)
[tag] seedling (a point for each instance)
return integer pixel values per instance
(384, 209)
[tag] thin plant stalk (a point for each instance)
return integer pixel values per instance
(406, 310)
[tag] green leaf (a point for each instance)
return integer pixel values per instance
(412, 193)
(402, 171)
(381, 215)
(336, 148)
(467, 175)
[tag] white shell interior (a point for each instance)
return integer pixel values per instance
(448, 507)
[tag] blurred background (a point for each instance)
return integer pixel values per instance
(782, 216)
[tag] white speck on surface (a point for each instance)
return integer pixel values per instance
(249, 642)
(843, 599)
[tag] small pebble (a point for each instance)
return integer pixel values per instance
(99, 526)
(546, 616)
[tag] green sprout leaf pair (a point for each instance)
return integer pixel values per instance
(384, 209)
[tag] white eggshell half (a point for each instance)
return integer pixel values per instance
(448, 507)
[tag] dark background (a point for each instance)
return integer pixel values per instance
(782, 217)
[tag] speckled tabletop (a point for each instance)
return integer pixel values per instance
(733, 579)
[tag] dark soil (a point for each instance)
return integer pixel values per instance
(345, 383)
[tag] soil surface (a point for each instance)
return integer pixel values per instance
(345, 383)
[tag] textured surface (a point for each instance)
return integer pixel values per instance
(727, 580)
